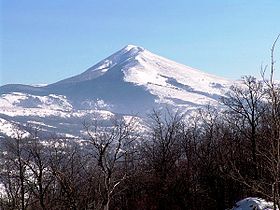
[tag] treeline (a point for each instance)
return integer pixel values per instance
(209, 161)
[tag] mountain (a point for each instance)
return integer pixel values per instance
(131, 81)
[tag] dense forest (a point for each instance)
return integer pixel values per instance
(207, 161)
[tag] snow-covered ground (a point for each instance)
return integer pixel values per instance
(253, 203)
(11, 129)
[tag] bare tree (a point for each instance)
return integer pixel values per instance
(245, 107)
(14, 175)
(255, 107)
(68, 169)
(109, 148)
(39, 171)
(273, 97)
(161, 154)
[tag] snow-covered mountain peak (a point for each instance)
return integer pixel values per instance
(125, 55)
(164, 79)
(134, 48)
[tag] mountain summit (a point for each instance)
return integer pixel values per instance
(126, 54)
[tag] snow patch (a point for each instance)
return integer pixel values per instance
(253, 203)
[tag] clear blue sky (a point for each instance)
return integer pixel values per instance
(46, 41)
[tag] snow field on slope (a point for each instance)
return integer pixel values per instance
(52, 101)
(157, 74)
